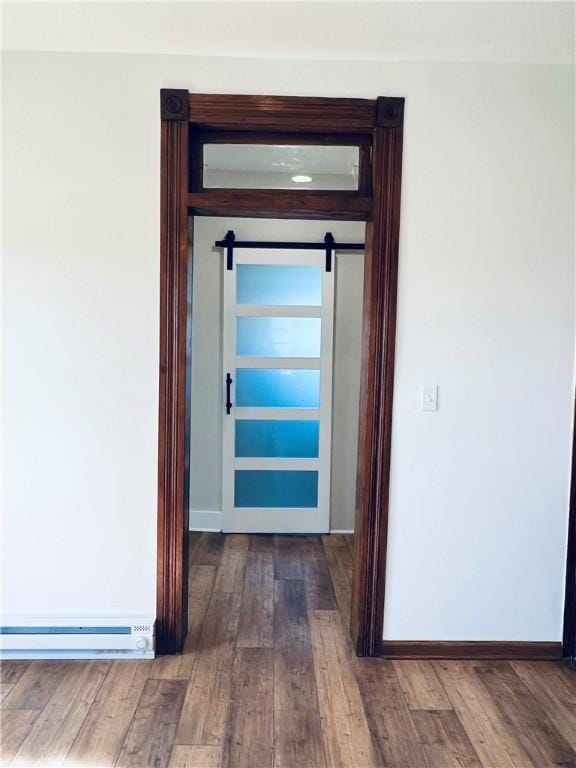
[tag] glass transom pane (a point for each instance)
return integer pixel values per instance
(278, 285)
(269, 166)
(277, 388)
(275, 488)
(278, 336)
(256, 438)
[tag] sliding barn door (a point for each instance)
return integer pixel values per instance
(277, 355)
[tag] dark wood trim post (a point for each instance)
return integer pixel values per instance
(377, 380)
(569, 630)
(172, 589)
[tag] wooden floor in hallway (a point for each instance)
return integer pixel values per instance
(268, 679)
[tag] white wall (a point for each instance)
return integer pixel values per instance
(479, 489)
(207, 375)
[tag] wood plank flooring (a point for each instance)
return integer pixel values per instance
(268, 679)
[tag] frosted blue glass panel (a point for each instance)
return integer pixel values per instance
(267, 388)
(284, 439)
(278, 336)
(275, 488)
(279, 285)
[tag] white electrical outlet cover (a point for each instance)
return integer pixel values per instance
(429, 397)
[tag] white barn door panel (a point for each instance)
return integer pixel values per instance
(277, 362)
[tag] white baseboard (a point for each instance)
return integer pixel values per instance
(210, 520)
(205, 520)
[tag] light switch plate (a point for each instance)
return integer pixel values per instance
(429, 397)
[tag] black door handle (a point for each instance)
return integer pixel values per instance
(228, 401)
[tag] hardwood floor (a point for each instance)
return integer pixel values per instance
(268, 679)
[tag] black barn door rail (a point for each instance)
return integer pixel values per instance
(329, 245)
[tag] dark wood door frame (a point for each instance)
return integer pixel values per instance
(380, 121)
(569, 628)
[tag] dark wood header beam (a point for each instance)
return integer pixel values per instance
(209, 136)
(282, 113)
(289, 204)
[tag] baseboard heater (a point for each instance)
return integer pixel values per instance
(77, 638)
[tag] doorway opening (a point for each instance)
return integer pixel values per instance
(276, 358)
(349, 153)
(274, 424)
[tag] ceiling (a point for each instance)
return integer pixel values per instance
(481, 31)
